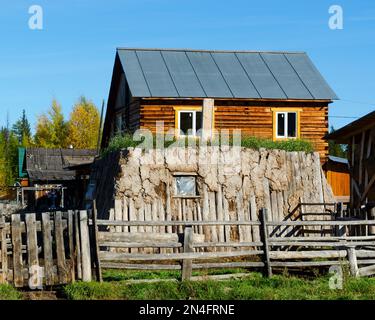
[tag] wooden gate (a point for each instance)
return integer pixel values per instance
(44, 249)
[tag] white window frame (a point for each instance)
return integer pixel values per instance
(285, 136)
(194, 129)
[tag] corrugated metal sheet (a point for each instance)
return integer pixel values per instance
(235, 76)
(156, 74)
(310, 75)
(209, 75)
(217, 74)
(260, 75)
(183, 75)
(285, 75)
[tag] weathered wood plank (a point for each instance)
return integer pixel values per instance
(95, 243)
(85, 246)
(47, 249)
(32, 251)
(17, 250)
(4, 252)
(177, 223)
(138, 237)
(133, 266)
(60, 250)
(188, 247)
(114, 256)
(280, 255)
(78, 245)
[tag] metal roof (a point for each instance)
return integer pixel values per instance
(173, 73)
(338, 159)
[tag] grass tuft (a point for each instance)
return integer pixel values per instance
(7, 292)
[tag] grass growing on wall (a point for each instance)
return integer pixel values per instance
(255, 286)
(125, 141)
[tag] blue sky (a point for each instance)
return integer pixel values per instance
(74, 53)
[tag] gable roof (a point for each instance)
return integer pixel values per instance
(180, 73)
(54, 164)
(344, 134)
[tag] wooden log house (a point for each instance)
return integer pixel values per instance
(359, 135)
(274, 95)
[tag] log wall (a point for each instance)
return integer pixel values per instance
(254, 118)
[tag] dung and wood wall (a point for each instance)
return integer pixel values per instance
(231, 185)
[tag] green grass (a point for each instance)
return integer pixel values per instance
(7, 292)
(255, 286)
(125, 141)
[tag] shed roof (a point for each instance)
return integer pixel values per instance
(344, 134)
(54, 164)
(185, 73)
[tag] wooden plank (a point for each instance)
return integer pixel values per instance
(264, 238)
(283, 255)
(118, 214)
(366, 271)
(4, 252)
(95, 243)
(32, 252)
(284, 264)
(85, 246)
(138, 237)
(60, 250)
(227, 244)
(176, 223)
(145, 244)
(114, 256)
(17, 250)
(77, 245)
(352, 258)
(219, 265)
(71, 244)
(47, 249)
(188, 247)
(133, 266)
(322, 223)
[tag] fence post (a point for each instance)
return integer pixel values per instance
(85, 246)
(4, 249)
(95, 243)
(264, 239)
(187, 264)
(341, 230)
(353, 264)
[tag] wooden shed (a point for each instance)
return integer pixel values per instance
(63, 171)
(359, 135)
(338, 176)
(274, 95)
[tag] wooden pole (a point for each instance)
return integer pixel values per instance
(187, 264)
(353, 264)
(96, 244)
(372, 217)
(4, 253)
(85, 246)
(264, 239)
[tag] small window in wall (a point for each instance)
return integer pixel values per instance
(185, 186)
(286, 125)
(189, 122)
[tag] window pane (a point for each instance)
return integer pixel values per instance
(281, 124)
(185, 186)
(186, 121)
(292, 124)
(198, 120)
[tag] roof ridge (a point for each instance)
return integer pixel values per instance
(214, 50)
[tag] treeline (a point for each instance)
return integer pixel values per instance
(52, 130)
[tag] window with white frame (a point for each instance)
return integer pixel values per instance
(286, 124)
(189, 122)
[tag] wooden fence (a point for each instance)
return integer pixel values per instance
(119, 242)
(45, 249)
